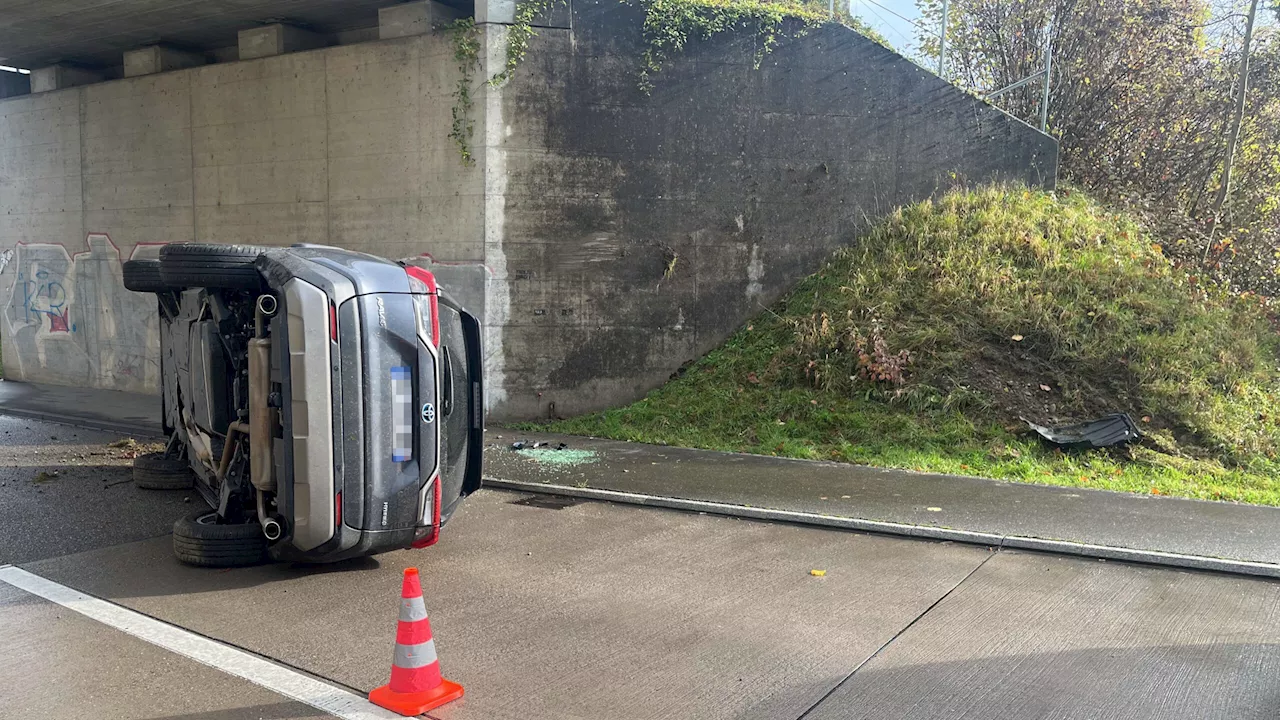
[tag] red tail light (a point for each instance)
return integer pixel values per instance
(333, 322)
(432, 532)
(426, 278)
(337, 510)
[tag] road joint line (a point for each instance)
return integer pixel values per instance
(900, 633)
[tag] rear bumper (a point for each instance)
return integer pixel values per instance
(311, 415)
(346, 544)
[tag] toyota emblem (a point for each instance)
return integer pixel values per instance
(428, 413)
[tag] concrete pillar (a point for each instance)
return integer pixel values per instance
(413, 18)
(276, 40)
(12, 83)
(157, 59)
(496, 11)
(57, 77)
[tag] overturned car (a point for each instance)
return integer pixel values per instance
(327, 404)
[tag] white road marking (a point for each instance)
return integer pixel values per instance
(277, 678)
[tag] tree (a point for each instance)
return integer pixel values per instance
(1144, 100)
(1233, 131)
(1118, 66)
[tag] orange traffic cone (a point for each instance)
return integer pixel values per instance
(416, 685)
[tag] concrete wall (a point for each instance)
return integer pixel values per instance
(606, 236)
(346, 146)
(640, 230)
(12, 83)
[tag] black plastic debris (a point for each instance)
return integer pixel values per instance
(523, 444)
(1107, 431)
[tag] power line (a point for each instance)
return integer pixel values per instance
(904, 18)
(890, 26)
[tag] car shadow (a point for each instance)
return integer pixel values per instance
(274, 711)
(147, 568)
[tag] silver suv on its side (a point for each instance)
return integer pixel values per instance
(327, 404)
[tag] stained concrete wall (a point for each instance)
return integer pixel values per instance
(606, 235)
(346, 146)
(12, 83)
(640, 230)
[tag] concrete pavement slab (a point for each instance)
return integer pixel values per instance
(587, 611)
(57, 664)
(68, 489)
(1033, 636)
(86, 407)
(1094, 517)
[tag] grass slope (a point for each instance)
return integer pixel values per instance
(924, 345)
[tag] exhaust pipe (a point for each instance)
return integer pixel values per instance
(271, 529)
(262, 418)
(266, 307)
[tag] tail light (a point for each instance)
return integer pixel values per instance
(429, 532)
(424, 283)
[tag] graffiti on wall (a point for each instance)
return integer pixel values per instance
(44, 298)
(69, 319)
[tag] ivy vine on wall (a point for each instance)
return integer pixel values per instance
(669, 25)
(465, 38)
(519, 34)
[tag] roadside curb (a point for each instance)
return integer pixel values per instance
(924, 532)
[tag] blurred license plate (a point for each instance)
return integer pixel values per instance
(402, 414)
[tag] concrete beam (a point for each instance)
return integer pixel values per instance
(413, 18)
(277, 39)
(57, 77)
(157, 59)
(12, 84)
(496, 11)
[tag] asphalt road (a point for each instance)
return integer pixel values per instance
(593, 610)
(66, 489)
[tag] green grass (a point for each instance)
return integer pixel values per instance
(921, 347)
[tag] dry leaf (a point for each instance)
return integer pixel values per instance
(1046, 388)
(1016, 338)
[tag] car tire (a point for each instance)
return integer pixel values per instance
(224, 267)
(143, 276)
(154, 471)
(199, 540)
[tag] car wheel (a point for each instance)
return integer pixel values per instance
(157, 472)
(143, 276)
(198, 539)
(227, 267)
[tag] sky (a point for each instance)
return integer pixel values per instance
(880, 14)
